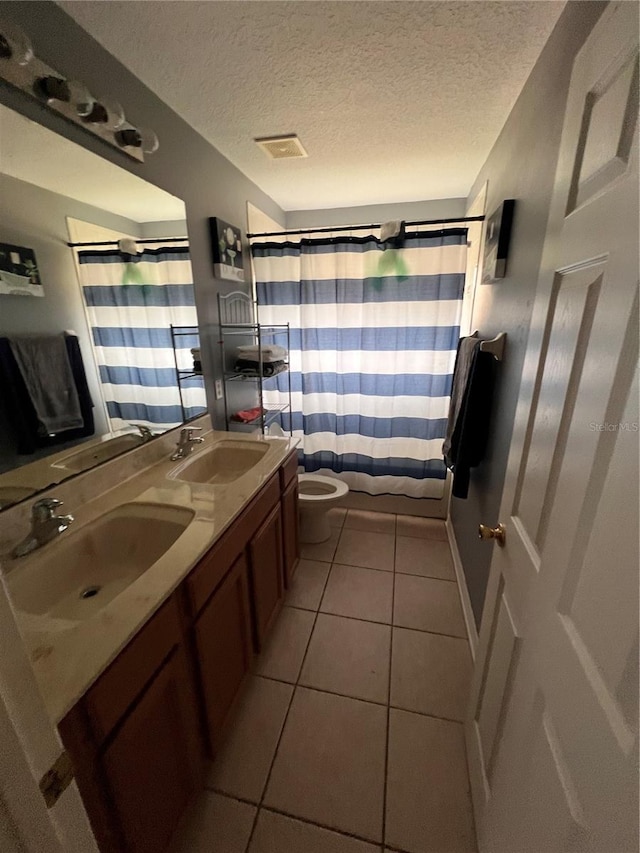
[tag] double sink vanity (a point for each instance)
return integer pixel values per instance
(143, 617)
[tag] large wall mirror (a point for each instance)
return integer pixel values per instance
(99, 346)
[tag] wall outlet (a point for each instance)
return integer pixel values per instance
(218, 387)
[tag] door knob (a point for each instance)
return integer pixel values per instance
(498, 533)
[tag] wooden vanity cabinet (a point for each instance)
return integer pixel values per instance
(235, 593)
(135, 740)
(139, 736)
(222, 638)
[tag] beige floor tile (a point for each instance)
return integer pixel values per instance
(360, 593)
(430, 673)
(428, 803)
(430, 559)
(349, 657)
(336, 516)
(427, 604)
(242, 765)
(423, 528)
(215, 823)
(366, 549)
(276, 833)
(284, 651)
(376, 522)
(323, 550)
(330, 763)
(308, 584)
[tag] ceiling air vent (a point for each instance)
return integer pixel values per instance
(282, 147)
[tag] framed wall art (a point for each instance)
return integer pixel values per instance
(226, 250)
(19, 275)
(496, 244)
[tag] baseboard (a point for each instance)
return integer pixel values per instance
(465, 601)
(397, 504)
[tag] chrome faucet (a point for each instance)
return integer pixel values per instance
(45, 526)
(186, 442)
(145, 432)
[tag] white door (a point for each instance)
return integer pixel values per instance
(29, 745)
(553, 719)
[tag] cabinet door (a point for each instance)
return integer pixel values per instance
(265, 550)
(152, 763)
(223, 644)
(290, 530)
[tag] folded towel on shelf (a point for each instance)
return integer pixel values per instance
(255, 368)
(44, 363)
(248, 415)
(269, 353)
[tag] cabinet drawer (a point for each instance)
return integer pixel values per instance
(118, 687)
(210, 571)
(289, 469)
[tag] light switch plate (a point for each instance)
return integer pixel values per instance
(218, 387)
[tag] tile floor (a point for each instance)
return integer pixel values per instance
(349, 736)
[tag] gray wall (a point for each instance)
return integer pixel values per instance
(522, 166)
(170, 228)
(186, 165)
(444, 208)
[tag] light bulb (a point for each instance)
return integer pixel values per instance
(115, 113)
(142, 138)
(52, 88)
(80, 97)
(149, 141)
(14, 44)
(109, 114)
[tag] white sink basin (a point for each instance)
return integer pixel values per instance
(76, 575)
(88, 457)
(223, 462)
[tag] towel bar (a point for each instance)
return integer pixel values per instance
(495, 346)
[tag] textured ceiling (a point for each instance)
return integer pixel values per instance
(31, 153)
(394, 101)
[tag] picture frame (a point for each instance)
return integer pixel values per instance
(497, 241)
(19, 274)
(226, 250)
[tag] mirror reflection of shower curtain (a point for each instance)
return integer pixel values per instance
(131, 302)
(374, 331)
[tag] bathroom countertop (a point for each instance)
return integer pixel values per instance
(67, 656)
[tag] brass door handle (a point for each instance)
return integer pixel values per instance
(498, 533)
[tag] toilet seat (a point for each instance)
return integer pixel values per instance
(324, 488)
(316, 495)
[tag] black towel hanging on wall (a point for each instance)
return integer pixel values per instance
(18, 408)
(469, 412)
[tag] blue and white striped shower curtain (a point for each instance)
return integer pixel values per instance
(373, 343)
(131, 336)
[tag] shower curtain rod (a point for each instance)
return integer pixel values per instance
(364, 227)
(138, 242)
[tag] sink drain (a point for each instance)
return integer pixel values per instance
(90, 591)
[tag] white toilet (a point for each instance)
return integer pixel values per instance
(316, 495)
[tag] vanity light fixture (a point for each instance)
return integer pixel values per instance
(70, 98)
